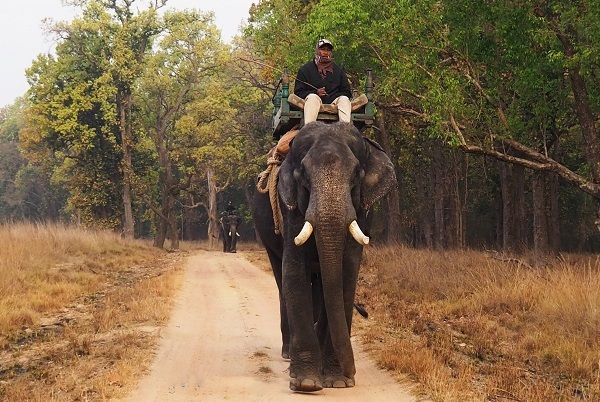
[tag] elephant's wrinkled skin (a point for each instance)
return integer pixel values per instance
(330, 178)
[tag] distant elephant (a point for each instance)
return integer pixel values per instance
(229, 227)
(330, 178)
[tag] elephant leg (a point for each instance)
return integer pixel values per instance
(228, 242)
(233, 242)
(332, 373)
(284, 325)
(305, 354)
(224, 230)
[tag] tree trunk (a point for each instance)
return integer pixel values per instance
(173, 228)
(499, 221)
(540, 223)
(190, 219)
(513, 206)
(455, 215)
(439, 239)
(126, 165)
(249, 190)
(423, 225)
(553, 212)
(213, 217)
(392, 203)
(168, 190)
(161, 232)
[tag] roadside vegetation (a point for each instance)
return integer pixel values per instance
(467, 326)
(79, 311)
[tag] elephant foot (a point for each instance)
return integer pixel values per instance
(334, 376)
(285, 352)
(338, 382)
(305, 384)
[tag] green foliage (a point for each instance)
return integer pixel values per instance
(25, 190)
(498, 68)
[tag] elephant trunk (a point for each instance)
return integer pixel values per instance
(331, 231)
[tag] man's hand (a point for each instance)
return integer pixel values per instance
(321, 92)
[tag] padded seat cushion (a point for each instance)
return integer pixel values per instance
(357, 103)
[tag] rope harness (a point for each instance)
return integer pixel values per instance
(267, 180)
(267, 183)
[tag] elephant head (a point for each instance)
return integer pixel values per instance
(327, 183)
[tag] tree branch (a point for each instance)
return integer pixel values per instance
(536, 161)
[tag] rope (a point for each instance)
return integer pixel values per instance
(267, 182)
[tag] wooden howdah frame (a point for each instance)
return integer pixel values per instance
(288, 108)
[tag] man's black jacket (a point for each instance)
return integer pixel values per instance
(335, 83)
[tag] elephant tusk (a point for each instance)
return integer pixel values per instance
(237, 234)
(229, 234)
(358, 235)
(304, 234)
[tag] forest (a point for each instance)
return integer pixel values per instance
(145, 122)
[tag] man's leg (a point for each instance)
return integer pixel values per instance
(344, 108)
(312, 104)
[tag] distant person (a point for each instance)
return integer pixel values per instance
(320, 81)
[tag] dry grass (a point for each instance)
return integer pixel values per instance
(468, 327)
(43, 267)
(79, 311)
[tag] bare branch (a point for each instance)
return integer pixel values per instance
(536, 160)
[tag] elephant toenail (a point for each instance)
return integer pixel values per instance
(307, 383)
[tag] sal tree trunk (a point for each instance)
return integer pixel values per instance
(540, 221)
(553, 212)
(126, 165)
(213, 218)
(439, 190)
(392, 205)
(513, 206)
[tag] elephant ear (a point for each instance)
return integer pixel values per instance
(286, 186)
(380, 176)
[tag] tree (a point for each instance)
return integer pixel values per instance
(25, 190)
(71, 123)
(187, 56)
(210, 145)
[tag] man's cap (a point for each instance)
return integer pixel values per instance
(324, 42)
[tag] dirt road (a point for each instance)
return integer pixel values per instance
(223, 343)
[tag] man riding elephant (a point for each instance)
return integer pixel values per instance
(230, 221)
(320, 81)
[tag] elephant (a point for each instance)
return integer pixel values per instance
(229, 227)
(327, 183)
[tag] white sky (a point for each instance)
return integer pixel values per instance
(22, 37)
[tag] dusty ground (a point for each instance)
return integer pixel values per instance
(223, 343)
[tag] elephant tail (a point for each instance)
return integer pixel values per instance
(360, 308)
